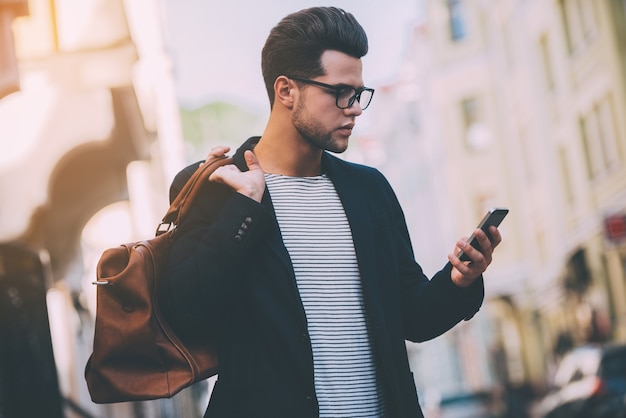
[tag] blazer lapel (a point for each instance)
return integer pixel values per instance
(275, 239)
(353, 197)
(277, 246)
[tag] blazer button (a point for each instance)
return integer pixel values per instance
(304, 337)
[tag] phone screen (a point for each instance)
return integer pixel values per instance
(493, 217)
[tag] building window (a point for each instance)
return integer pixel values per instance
(457, 20)
(544, 48)
(608, 134)
(477, 134)
(509, 47)
(543, 249)
(587, 149)
(566, 176)
(579, 23)
(528, 156)
(599, 139)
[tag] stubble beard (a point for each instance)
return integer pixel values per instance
(313, 132)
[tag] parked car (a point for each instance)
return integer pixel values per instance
(590, 382)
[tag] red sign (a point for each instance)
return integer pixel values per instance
(615, 227)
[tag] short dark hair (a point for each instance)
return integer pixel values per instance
(295, 45)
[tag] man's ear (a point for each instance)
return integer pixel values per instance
(284, 91)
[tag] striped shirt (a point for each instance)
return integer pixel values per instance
(317, 236)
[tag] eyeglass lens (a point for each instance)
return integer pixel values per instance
(346, 98)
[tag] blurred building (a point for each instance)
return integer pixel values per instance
(90, 140)
(516, 103)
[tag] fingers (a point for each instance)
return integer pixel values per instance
(250, 183)
(477, 258)
(487, 241)
(486, 246)
(224, 173)
(465, 272)
(496, 237)
(218, 151)
(228, 174)
(251, 160)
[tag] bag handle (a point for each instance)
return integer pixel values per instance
(181, 204)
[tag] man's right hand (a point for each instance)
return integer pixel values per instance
(249, 183)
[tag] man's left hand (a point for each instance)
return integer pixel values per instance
(464, 273)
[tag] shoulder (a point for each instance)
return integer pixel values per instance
(340, 167)
(181, 178)
(333, 163)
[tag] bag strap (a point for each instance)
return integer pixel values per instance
(181, 204)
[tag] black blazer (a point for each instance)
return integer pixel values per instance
(230, 275)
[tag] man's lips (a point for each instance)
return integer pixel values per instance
(347, 129)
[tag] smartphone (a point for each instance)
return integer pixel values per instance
(493, 217)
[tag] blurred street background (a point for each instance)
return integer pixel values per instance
(478, 103)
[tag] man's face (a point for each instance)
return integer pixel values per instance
(316, 116)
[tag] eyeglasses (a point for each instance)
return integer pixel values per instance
(345, 95)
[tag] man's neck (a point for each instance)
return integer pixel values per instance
(284, 151)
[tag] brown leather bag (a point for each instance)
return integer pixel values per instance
(136, 355)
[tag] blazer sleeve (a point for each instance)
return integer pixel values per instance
(430, 307)
(204, 265)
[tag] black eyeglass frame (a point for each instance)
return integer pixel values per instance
(338, 89)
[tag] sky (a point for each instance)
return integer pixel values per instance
(216, 45)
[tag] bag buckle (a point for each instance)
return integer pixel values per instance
(165, 227)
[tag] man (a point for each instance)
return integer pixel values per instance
(299, 262)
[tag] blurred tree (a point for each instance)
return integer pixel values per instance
(218, 123)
